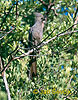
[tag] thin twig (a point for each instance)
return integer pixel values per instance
(75, 14)
(4, 69)
(16, 9)
(54, 10)
(7, 34)
(45, 4)
(48, 7)
(13, 50)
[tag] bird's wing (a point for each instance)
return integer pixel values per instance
(30, 37)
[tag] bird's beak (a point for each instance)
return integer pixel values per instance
(44, 20)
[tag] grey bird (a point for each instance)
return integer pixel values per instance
(35, 37)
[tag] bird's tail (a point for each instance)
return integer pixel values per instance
(33, 67)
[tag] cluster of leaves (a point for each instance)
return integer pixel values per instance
(56, 69)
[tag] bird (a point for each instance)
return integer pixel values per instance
(35, 37)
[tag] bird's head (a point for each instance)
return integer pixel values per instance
(39, 17)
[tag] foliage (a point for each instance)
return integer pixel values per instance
(57, 65)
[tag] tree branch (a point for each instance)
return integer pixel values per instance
(7, 34)
(5, 80)
(45, 4)
(59, 36)
(6, 86)
(13, 50)
(75, 13)
(16, 9)
(48, 6)
(54, 10)
(1, 63)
